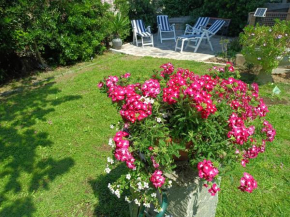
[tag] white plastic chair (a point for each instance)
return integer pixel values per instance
(197, 38)
(140, 30)
(165, 27)
(200, 23)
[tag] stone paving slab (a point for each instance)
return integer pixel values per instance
(167, 50)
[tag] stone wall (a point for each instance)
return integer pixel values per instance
(179, 22)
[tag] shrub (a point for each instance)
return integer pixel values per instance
(59, 31)
(265, 46)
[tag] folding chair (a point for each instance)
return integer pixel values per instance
(140, 30)
(165, 27)
(197, 38)
(201, 22)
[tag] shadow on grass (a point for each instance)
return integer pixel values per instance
(108, 204)
(19, 141)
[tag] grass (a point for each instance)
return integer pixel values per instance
(53, 133)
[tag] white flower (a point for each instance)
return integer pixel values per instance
(117, 192)
(146, 185)
(112, 126)
(158, 210)
(164, 115)
(137, 202)
(152, 101)
(169, 184)
(153, 195)
(259, 58)
(128, 176)
(158, 120)
(111, 143)
(146, 205)
(107, 170)
(140, 187)
(139, 179)
(110, 160)
(127, 199)
(111, 189)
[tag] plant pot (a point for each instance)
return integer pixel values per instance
(188, 197)
(117, 43)
(183, 154)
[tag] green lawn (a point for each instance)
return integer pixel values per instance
(53, 134)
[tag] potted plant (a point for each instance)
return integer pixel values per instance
(215, 119)
(120, 29)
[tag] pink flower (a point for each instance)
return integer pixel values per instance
(157, 179)
(155, 164)
(248, 183)
(231, 69)
(206, 170)
(214, 189)
(100, 85)
(126, 75)
(151, 88)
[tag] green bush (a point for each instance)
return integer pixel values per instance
(265, 46)
(61, 32)
(176, 8)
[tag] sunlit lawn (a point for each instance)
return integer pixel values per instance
(53, 135)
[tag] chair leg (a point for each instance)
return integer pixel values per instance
(182, 44)
(142, 42)
(174, 36)
(152, 40)
(176, 43)
(160, 35)
(198, 43)
(210, 43)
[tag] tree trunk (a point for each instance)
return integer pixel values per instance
(38, 56)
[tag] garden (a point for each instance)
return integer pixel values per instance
(86, 132)
(55, 129)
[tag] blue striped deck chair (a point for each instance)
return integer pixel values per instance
(140, 30)
(200, 23)
(197, 38)
(165, 27)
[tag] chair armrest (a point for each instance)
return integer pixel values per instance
(188, 29)
(189, 26)
(149, 29)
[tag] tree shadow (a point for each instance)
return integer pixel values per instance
(108, 204)
(19, 141)
(248, 78)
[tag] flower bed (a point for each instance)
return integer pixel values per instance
(222, 117)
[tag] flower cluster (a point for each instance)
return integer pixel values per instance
(248, 183)
(121, 152)
(206, 170)
(151, 88)
(215, 118)
(157, 179)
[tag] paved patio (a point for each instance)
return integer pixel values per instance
(167, 49)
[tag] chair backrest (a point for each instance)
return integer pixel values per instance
(201, 21)
(163, 23)
(216, 26)
(139, 26)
